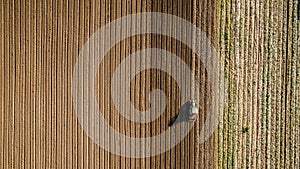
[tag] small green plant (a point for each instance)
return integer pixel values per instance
(246, 129)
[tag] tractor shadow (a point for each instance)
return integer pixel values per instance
(183, 115)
